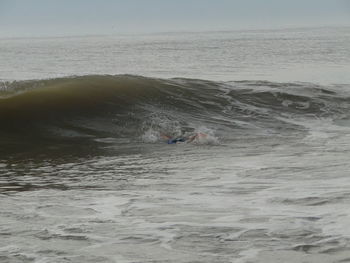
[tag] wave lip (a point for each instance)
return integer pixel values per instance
(41, 97)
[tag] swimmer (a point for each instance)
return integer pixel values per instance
(175, 140)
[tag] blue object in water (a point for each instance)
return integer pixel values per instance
(176, 140)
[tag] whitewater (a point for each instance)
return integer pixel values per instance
(86, 175)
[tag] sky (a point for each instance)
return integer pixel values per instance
(32, 18)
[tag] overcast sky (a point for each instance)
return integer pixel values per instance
(82, 17)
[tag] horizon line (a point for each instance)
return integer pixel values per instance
(296, 27)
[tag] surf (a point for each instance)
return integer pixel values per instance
(140, 108)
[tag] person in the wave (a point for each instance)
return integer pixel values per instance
(187, 139)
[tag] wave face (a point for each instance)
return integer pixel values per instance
(136, 108)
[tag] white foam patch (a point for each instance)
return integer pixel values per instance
(151, 136)
(204, 136)
(158, 126)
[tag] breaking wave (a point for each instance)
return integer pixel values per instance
(140, 108)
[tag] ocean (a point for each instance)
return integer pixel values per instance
(87, 175)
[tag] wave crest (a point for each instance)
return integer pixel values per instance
(128, 106)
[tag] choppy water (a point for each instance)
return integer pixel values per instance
(85, 175)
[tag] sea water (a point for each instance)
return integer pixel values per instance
(86, 176)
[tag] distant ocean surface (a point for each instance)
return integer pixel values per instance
(316, 55)
(86, 174)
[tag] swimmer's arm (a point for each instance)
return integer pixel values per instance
(197, 135)
(166, 137)
(192, 138)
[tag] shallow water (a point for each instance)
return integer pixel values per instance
(92, 180)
